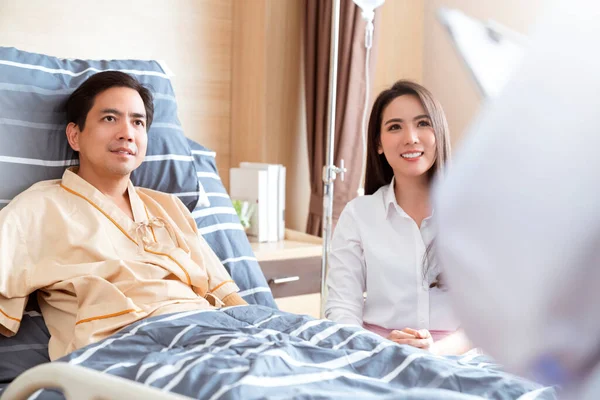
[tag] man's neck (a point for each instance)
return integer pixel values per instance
(114, 188)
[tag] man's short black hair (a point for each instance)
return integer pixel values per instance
(82, 99)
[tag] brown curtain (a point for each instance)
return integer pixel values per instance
(351, 86)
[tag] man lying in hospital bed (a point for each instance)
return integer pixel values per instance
(102, 253)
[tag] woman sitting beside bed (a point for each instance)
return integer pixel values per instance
(383, 243)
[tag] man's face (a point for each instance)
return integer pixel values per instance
(114, 140)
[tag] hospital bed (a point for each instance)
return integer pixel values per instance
(243, 352)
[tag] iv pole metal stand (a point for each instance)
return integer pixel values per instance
(330, 170)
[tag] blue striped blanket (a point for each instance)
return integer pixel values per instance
(255, 352)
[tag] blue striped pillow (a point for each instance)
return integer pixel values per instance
(220, 226)
(33, 145)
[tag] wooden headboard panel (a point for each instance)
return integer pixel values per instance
(193, 37)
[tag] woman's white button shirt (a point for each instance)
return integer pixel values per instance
(378, 249)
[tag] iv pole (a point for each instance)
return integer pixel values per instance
(330, 170)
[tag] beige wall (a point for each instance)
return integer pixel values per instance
(400, 43)
(443, 72)
(268, 121)
(286, 112)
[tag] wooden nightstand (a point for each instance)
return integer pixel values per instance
(292, 268)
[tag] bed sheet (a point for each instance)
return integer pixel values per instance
(256, 352)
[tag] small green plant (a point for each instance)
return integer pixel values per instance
(244, 211)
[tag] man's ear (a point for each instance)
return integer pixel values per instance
(73, 133)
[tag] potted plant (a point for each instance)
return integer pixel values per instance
(244, 211)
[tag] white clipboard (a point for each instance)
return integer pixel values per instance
(490, 51)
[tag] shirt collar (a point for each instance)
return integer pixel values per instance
(389, 198)
(390, 202)
(83, 188)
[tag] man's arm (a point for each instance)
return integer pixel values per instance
(234, 299)
(220, 283)
(14, 279)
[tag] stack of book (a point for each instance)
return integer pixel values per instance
(264, 186)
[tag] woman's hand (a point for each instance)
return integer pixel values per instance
(421, 339)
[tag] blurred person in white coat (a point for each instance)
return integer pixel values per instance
(519, 212)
